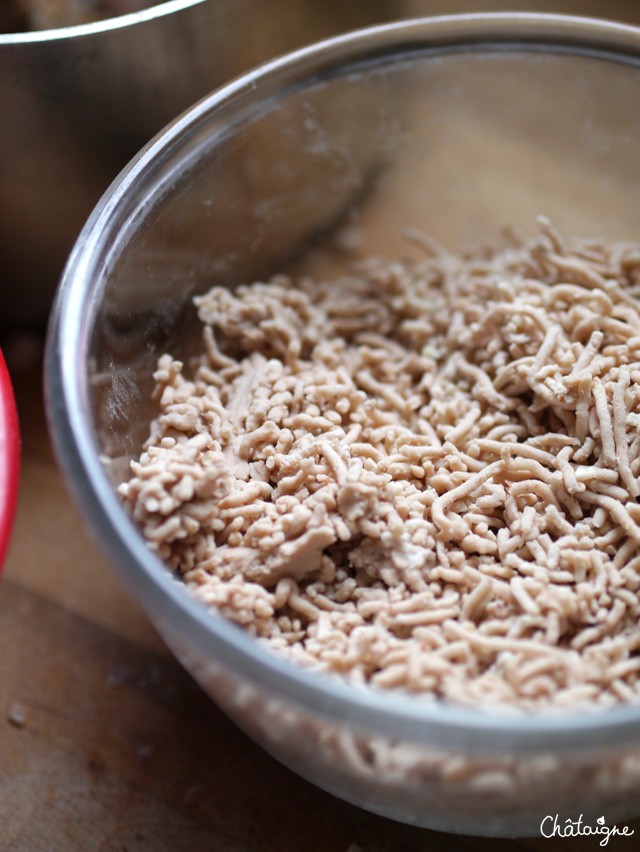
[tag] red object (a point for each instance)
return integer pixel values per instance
(9, 458)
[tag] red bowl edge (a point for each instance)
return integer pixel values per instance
(9, 458)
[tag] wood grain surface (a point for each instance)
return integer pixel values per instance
(107, 744)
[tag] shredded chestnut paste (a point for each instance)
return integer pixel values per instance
(423, 475)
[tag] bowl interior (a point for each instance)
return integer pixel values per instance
(312, 171)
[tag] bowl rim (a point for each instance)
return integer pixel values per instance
(66, 395)
(160, 9)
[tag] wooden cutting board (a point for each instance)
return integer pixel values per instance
(107, 744)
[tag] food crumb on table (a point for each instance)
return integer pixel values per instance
(17, 715)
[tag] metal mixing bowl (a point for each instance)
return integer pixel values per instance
(455, 125)
(77, 103)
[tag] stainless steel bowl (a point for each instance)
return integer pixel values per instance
(455, 125)
(77, 103)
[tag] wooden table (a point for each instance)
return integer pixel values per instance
(107, 744)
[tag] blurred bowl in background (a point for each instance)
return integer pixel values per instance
(77, 103)
(9, 458)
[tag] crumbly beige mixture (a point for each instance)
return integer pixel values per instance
(423, 475)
